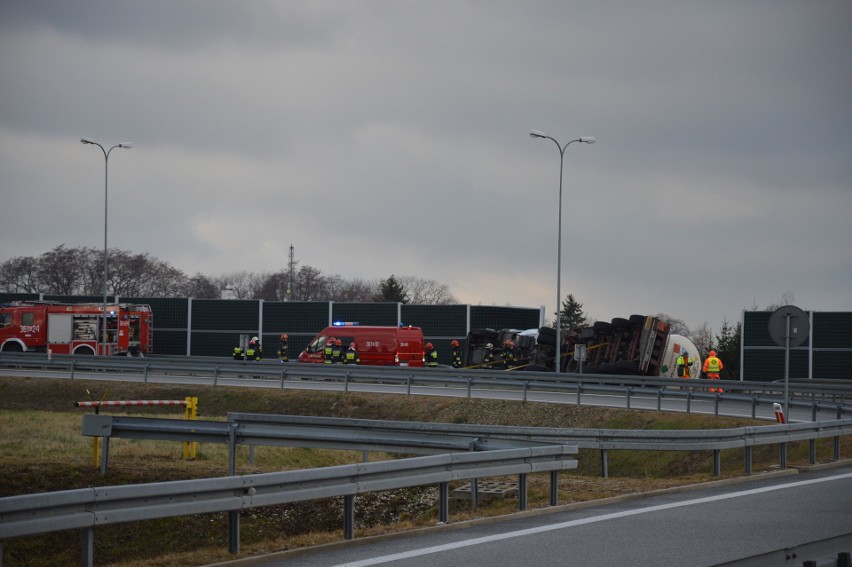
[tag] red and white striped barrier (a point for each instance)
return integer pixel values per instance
(130, 403)
(779, 413)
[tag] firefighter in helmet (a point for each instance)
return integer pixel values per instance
(488, 357)
(457, 357)
(509, 354)
(351, 355)
(283, 355)
(254, 350)
(430, 355)
(337, 352)
(327, 351)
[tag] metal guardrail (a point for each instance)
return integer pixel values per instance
(836, 397)
(84, 509)
(422, 437)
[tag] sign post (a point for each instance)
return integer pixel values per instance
(789, 326)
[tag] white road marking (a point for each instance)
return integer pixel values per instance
(583, 521)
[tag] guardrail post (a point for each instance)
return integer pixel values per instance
(814, 408)
(783, 455)
(753, 407)
(469, 382)
(87, 536)
(604, 464)
(716, 410)
(522, 492)
(554, 488)
(104, 454)
(688, 401)
(283, 377)
(346, 382)
(408, 384)
(349, 516)
(812, 451)
(443, 502)
(660, 399)
(73, 363)
(717, 462)
(747, 458)
(629, 391)
(216, 376)
(526, 386)
(232, 452)
(234, 532)
(836, 447)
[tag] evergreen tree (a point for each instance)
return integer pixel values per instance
(728, 350)
(393, 291)
(572, 314)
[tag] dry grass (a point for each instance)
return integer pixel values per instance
(41, 450)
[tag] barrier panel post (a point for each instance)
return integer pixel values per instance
(190, 448)
(779, 413)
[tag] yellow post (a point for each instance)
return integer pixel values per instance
(96, 451)
(191, 412)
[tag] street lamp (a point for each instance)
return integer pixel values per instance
(585, 140)
(123, 145)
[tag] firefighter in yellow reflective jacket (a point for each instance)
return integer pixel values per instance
(351, 355)
(712, 367)
(327, 351)
(684, 365)
(509, 354)
(337, 352)
(254, 350)
(430, 356)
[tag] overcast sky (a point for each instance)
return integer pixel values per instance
(390, 137)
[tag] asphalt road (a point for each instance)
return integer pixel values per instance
(715, 525)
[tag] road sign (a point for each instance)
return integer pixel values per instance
(799, 326)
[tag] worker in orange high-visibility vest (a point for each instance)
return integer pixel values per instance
(712, 367)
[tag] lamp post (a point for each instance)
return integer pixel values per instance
(106, 153)
(585, 140)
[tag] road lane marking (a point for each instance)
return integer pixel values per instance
(583, 521)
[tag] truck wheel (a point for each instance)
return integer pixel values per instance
(637, 320)
(86, 351)
(12, 347)
(619, 323)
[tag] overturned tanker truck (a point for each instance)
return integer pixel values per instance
(639, 345)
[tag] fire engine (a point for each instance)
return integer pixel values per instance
(76, 328)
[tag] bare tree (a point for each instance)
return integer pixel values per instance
(426, 292)
(59, 270)
(677, 326)
(20, 275)
(703, 338)
(202, 287)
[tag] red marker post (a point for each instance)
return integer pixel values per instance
(779, 413)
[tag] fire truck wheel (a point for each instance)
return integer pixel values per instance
(84, 350)
(12, 347)
(637, 320)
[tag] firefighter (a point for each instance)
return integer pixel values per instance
(457, 357)
(684, 365)
(254, 350)
(337, 352)
(488, 357)
(238, 353)
(430, 355)
(351, 355)
(327, 351)
(712, 367)
(509, 354)
(282, 348)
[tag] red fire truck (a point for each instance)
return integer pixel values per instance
(76, 328)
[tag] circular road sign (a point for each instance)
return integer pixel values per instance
(799, 326)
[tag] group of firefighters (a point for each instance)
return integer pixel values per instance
(333, 353)
(254, 350)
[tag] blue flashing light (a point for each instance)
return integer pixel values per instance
(345, 324)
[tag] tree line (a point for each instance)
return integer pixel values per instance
(80, 271)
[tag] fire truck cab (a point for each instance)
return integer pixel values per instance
(76, 328)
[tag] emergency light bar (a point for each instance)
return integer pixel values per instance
(345, 324)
